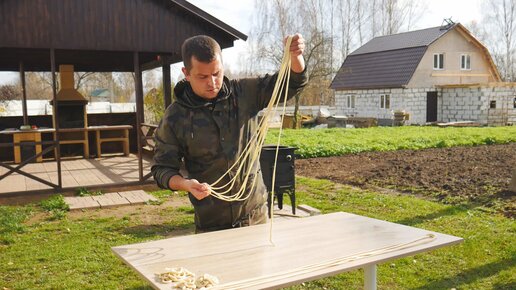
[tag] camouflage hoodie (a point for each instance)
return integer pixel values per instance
(208, 136)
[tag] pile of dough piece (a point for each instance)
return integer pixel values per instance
(181, 278)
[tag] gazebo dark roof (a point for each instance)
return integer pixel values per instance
(99, 35)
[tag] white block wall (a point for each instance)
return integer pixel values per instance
(367, 103)
(453, 104)
(473, 104)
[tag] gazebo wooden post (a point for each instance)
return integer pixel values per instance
(138, 90)
(167, 83)
(24, 95)
(55, 113)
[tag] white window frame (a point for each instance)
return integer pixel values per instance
(439, 65)
(350, 101)
(466, 64)
(385, 101)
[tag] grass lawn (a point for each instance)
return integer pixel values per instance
(45, 247)
(74, 252)
(338, 141)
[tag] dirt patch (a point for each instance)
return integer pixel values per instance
(479, 175)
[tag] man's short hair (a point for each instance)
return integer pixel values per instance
(204, 48)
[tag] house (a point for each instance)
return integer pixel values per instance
(100, 95)
(439, 74)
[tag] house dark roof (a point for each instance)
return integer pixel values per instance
(386, 69)
(386, 61)
(409, 39)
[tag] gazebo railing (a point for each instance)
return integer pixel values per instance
(12, 169)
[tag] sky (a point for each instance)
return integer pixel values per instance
(239, 14)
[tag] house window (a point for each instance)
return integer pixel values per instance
(438, 60)
(492, 105)
(385, 101)
(465, 61)
(350, 101)
(514, 103)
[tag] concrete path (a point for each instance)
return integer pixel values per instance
(109, 199)
(133, 197)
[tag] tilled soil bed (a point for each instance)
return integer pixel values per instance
(473, 175)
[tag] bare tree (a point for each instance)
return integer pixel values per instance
(373, 11)
(9, 92)
(332, 30)
(500, 20)
(477, 30)
(38, 85)
(124, 88)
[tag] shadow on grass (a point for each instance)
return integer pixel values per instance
(474, 274)
(508, 286)
(140, 288)
(164, 230)
(448, 211)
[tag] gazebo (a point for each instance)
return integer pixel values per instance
(95, 36)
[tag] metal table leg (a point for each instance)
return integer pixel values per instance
(370, 277)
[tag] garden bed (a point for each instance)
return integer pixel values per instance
(478, 175)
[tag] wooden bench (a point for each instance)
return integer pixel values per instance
(74, 136)
(117, 133)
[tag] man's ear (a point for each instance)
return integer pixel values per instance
(185, 72)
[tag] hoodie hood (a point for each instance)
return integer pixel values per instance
(185, 96)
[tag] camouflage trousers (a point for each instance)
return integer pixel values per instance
(259, 215)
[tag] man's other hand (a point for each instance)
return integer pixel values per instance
(197, 189)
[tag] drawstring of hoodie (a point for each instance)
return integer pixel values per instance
(191, 123)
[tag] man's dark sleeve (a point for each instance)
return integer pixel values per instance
(167, 153)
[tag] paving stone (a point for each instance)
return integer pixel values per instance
(310, 210)
(286, 213)
(137, 196)
(110, 200)
(85, 202)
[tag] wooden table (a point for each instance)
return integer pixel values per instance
(21, 136)
(245, 253)
(26, 136)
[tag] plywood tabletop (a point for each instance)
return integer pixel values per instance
(246, 253)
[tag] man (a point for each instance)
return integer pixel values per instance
(208, 127)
